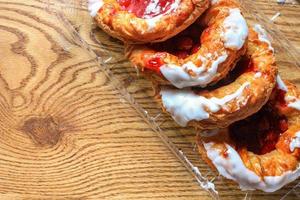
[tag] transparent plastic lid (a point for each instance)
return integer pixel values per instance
(181, 140)
(69, 129)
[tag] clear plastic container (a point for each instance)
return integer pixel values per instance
(66, 129)
(138, 91)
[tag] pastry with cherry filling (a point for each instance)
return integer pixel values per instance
(142, 21)
(262, 151)
(200, 55)
(242, 93)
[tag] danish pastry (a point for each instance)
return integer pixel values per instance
(137, 21)
(263, 151)
(190, 60)
(244, 92)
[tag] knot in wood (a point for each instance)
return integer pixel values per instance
(44, 131)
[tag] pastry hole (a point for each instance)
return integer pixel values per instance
(182, 45)
(260, 132)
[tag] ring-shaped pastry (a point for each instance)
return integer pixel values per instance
(137, 21)
(196, 57)
(250, 86)
(263, 151)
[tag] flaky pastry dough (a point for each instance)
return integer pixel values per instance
(222, 43)
(115, 19)
(221, 105)
(276, 162)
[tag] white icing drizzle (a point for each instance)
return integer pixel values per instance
(187, 75)
(235, 30)
(179, 75)
(154, 7)
(280, 84)
(262, 35)
(151, 22)
(257, 75)
(94, 6)
(293, 102)
(184, 105)
(232, 167)
(295, 143)
(174, 6)
(213, 2)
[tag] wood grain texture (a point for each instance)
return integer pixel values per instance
(65, 132)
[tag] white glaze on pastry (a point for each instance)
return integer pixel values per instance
(235, 30)
(295, 142)
(180, 77)
(280, 83)
(293, 102)
(184, 105)
(151, 22)
(213, 2)
(94, 6)
(234, 35)
(262, 35)
(154, 7)
(257, 75)
(232, 167)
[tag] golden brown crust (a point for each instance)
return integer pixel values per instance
(274, 163)
(211, 44)
(203, 153)
(254, 96)
(131, 29)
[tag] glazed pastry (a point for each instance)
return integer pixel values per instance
(196, 57)
(244, 92)
(137, 21)
(263, 151)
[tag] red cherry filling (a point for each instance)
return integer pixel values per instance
(260, 132)
(183, 44)
(153, 63)
(280, 94)
(146, 8)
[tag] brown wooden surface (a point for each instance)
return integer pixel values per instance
(64, 130)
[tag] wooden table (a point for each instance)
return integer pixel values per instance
(64, 130)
